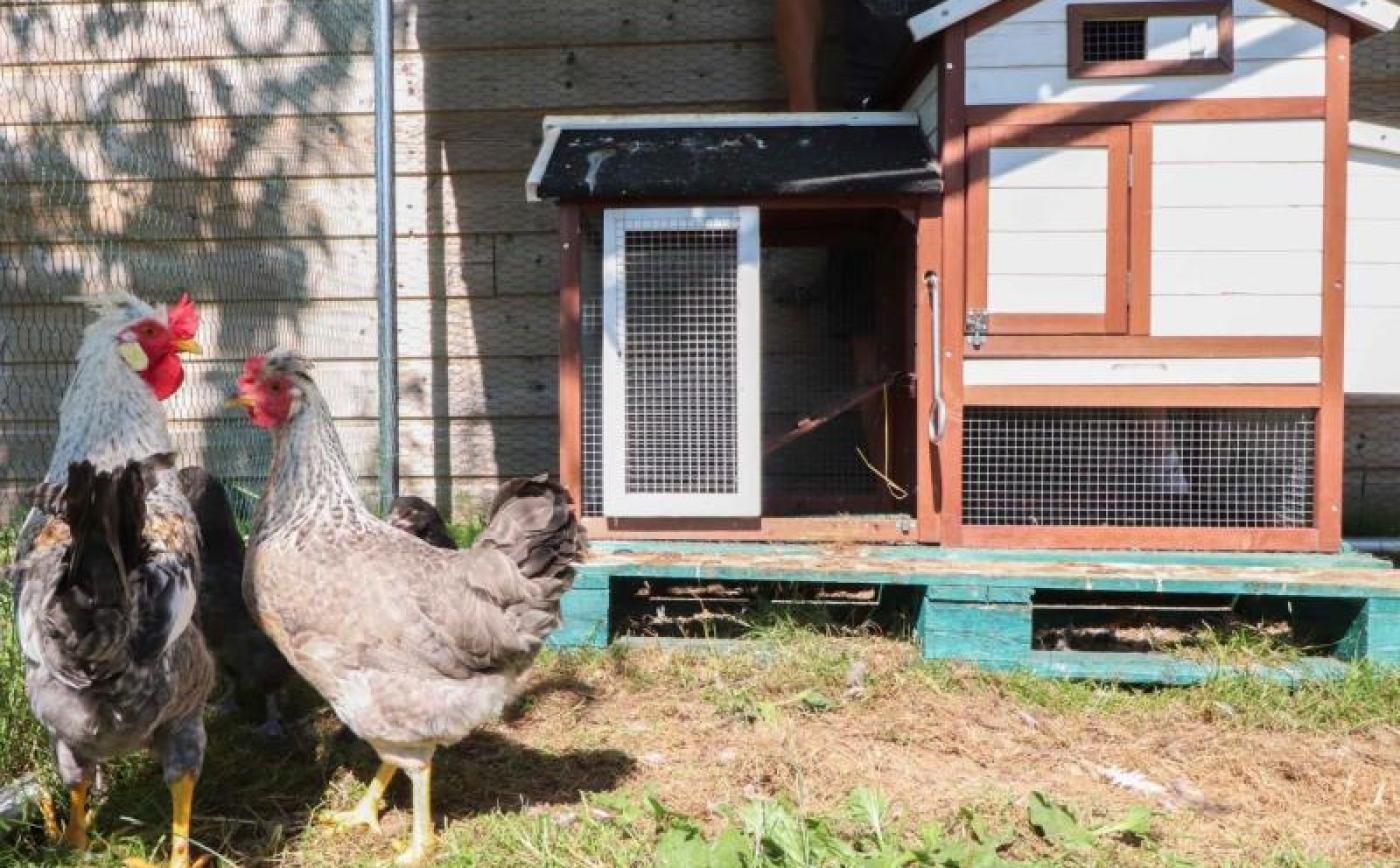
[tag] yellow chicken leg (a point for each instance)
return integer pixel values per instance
(182, 803)
(366, 811)
(420, 846)
(75, 835)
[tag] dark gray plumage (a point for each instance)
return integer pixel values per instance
(248, 661)
(416, 516)
(105, 599)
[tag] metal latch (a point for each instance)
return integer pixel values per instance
(976, 328)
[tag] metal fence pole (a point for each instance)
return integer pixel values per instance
(384, 249)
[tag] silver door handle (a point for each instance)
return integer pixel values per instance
(938, 413)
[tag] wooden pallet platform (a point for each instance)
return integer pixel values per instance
(977, 605)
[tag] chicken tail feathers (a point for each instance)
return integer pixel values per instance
(532, 522)
(90, 600)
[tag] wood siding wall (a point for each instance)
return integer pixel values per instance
(261, 203)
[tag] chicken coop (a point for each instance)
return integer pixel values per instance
(1084, 286)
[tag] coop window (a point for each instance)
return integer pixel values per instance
(1115, 39)
(680, 362)
(1056, 466)
(1145, 39)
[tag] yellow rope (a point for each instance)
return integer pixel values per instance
(897, 491)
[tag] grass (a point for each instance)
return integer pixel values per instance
(813, 746)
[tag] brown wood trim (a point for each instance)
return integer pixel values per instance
(1140, 232)
(1130, 111)
(1180, 538)
(953, 127)
(775, 203)
(1223, 62)
(1144, 347)
(928, 257)
(767, 529)
(570, 353)
(1143, 396)
(1330, 417)
(1311, 12)
(1116, 140)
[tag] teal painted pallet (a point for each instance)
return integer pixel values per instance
(977, 606)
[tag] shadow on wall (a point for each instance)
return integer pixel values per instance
(192, 145)
(486, 265)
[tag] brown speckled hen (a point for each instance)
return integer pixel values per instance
(413, 646)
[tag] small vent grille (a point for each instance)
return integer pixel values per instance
(681, 361)
(1138, 467)
(1115, 39)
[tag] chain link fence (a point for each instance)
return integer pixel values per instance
(208, 146)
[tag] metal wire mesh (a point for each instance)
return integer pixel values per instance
(1138, 467)
(681, 360)
(1114, 39)
(182, 146)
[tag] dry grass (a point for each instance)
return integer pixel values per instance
(1252, 774)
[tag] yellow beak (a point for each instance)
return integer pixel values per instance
(189, 345)
(240, 401)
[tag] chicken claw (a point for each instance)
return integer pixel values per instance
(366, 811)
(75, 835)
(420, 847)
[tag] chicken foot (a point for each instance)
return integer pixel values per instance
(182, 807)
(366, 811)
(74, 835)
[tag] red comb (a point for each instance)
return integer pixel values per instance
(253, 368)
(183, 318)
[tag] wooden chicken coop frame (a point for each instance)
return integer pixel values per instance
(1211, 394)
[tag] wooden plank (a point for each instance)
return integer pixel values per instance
(231, 447)
(1370, 347)
(526, 78)
(1145, 668)
(1372, 240)
(1142, 346)
(1269, 229)
(1068, 253)
(1126, 111)
(87, 32)
(312, 145)
(275, 209)
(1185, 185)
(1219, 539)
(957, 246)
(1047, 166)
(303, 271)
(1069, 208)
(1141, 264)
(1330, 416)
(1143, 396)
(428, 388)
(1188, 272)
(1250, 79)
(1236, 315)
(570, 353)
(1045, 293)
(835, 529)
(929, 259)
(1246, 141)
(1139, 372)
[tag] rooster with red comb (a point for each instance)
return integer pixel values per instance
(107, 569)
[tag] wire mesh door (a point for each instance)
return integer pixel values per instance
(187, 146)
(681, 424)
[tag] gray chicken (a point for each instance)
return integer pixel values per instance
(413, 646)
(420, 518)
(107, 570)
(255, 671)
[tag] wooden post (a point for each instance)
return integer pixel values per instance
(928, 257)
(1328, 502)
(570, 354)
(952, 130)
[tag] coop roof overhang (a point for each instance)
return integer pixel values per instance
(732, 157)
(1374, 16)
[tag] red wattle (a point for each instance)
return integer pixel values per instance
(164, 375)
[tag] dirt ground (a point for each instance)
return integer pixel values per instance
(707, 731)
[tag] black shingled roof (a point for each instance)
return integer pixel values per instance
(710, 162)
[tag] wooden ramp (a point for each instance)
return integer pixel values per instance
(982, 606)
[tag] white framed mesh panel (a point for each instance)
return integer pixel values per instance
(681, 390)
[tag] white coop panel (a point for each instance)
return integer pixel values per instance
(681, 423)
(1047, 233)
(1373, 261)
